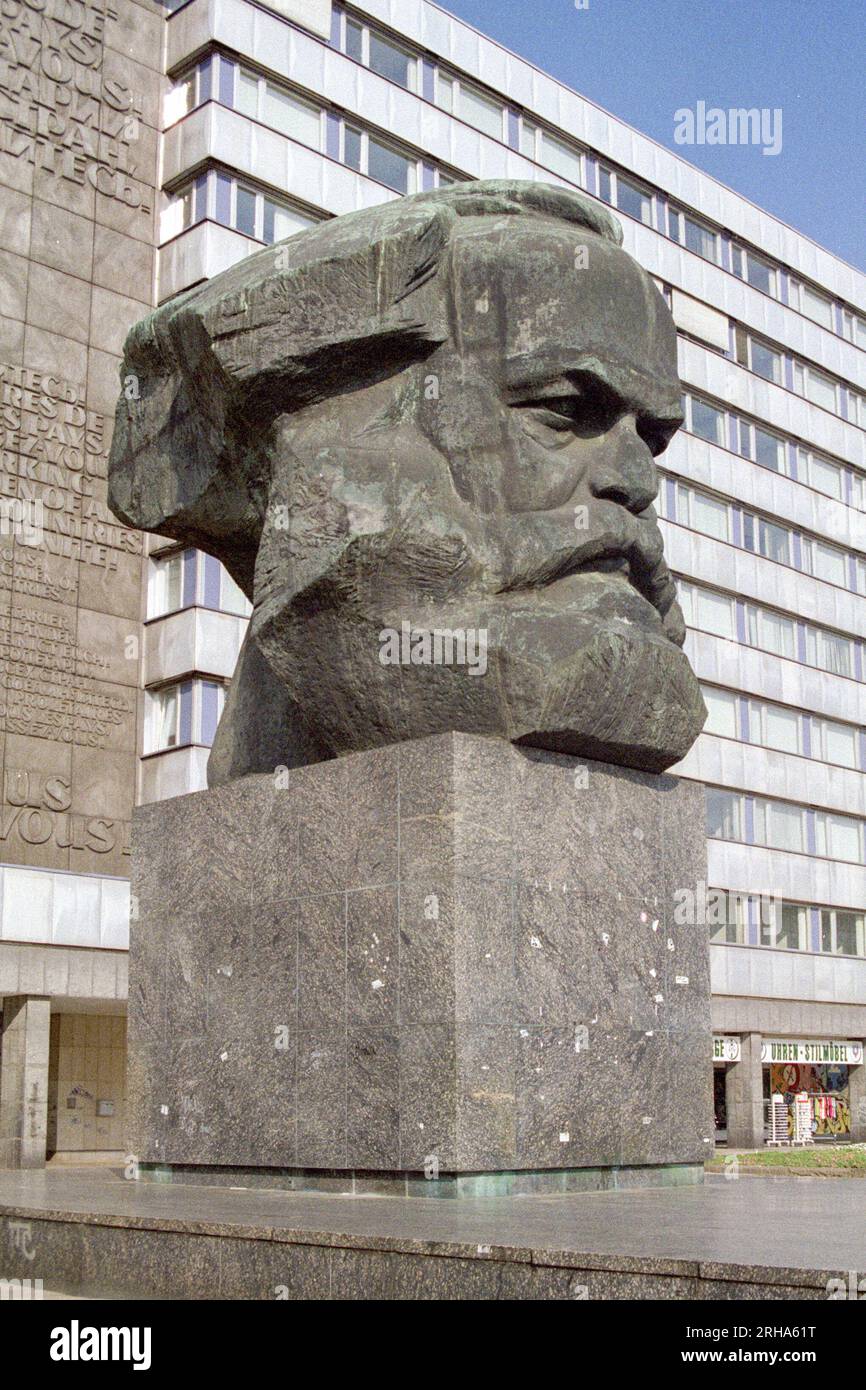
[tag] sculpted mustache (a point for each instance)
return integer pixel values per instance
(617, 536)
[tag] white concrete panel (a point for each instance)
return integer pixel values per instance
(766, 772)
(170, 646)
(27, 900)
(175, 773)
(218, 638)
(114, 914)
(797, 877)
(76, 910)
(62, 909)
(203, 251)
(700, 320)
(193, 639)
(768, 974)
(191, 29)
(312, 14)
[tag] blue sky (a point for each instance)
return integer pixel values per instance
(644, 59)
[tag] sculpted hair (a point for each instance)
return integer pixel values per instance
(355, 298)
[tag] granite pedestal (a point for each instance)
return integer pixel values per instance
(448, 957)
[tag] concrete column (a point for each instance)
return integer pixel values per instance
(744, 1096)
(24, 1081)
(857, 1102)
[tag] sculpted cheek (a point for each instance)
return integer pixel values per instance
(541, 478)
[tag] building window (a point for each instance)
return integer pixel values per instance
(821, 474)
(727, 917)
(705, 420)
(181, 98)
(470, 105)
(773, 726)
(784, 926)
(694, 235)
(382, 55)
(842, 933)
(778, 825)
(768, 539)
(708, 515)
(816, 386)
(839, 837)
(182, 714)
(388, 166)
(391, 61)
(164, 720)
(724, 814)
(721, 712)
(770, 450)
(216, 195)
(165, 593)
(706, 610)
(758, 356)
(829, 652)
(554, 154)
(188, 578)
(761, 274)
(814, 305)
(273, 105)
(244, 209)
(833, 742)
(770, 631)
(626, 195)
(379, 160)
(854, 328)
(825, 562)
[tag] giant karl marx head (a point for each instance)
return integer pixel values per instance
(438, 416)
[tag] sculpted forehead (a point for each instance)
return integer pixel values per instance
(537, 299)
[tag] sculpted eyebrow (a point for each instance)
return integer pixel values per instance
(548, 381)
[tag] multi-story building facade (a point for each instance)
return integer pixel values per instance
(80, 102)
(279, 114)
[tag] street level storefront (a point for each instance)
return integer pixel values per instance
(749, 1070)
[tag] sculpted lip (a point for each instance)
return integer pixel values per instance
(547, 547)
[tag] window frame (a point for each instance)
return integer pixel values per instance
(833, 914)
(228, 588)
(741, 255)
(614, 176)
(681, 217)
(154, 699)
(368, 31)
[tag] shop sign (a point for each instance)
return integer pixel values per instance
(811, 1051)
(726, 1049)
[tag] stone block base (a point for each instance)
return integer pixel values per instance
(453, 956)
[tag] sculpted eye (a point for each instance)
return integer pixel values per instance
(583, 413)
(560, 413)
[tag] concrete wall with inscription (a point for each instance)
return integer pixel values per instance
(80, 93)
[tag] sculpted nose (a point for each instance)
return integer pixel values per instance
(625, 471)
